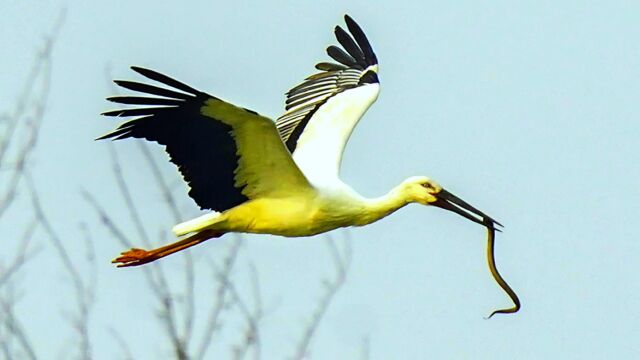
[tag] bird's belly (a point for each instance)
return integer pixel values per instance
(286, 217)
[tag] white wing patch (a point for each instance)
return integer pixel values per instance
(321, 145)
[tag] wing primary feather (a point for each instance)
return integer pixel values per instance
(139, 111)
(114, 135)
(327, 66)
(154, 75)
(140, 100)
(150, 89)
(340, 56)
(348, 44)
(362, 40)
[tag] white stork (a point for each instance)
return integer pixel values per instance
(261, 176)
(282, 177)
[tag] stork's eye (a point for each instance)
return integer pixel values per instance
(428, 186)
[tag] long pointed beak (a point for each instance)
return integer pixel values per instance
(448, 201)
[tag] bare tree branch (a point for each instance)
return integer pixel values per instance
(154, 273)
(341, 263)
(155, 278)
(189, 297)
(126, 194)
(366, 345)
(22, 256)
(53, 236)
(30, 109)
(213, 322)
(106, 220)
(122, 343)
(86, 299)
(251, 335)
(18, 139)
(84, 289)
(15, 330)
(162, 184)
(11, 331)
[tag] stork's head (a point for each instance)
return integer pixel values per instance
(425, 191)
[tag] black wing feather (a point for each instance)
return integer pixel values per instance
(362, 40)
(150, 89)
(348, 44)
(340, 56)
(201, 147)
(138, 111)
(140, 100)
(154, 75)
(326, 66)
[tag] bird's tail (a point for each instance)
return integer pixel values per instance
(196, 224)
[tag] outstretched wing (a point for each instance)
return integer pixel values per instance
(324, 109)
(227, 154)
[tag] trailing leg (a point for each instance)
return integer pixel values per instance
(135, 257)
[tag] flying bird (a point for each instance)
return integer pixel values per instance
(281, 177)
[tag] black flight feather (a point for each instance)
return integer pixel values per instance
(340, 56)
(361, 39)
(348, 44)
(140, 100)
(153, 75)
(152, 90)
(201, 147)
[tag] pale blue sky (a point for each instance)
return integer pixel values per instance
(528, 111)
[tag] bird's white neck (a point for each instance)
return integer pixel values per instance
(380, 207)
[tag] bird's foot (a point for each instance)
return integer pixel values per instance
(135, 257)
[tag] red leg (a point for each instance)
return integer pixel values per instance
(135, 257)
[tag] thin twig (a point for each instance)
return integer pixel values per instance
(341, 263)
(251, 338)
(162, 184)
(86, 299)
(22, 256)
(53, 236)
(190, 296)
(122, 343)
(156, 280)
(213, 322)
(106, 220)
(366, 348)
(41, 69)
(15, 328)
(126, 194)
(84, 289)
(27, 116)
